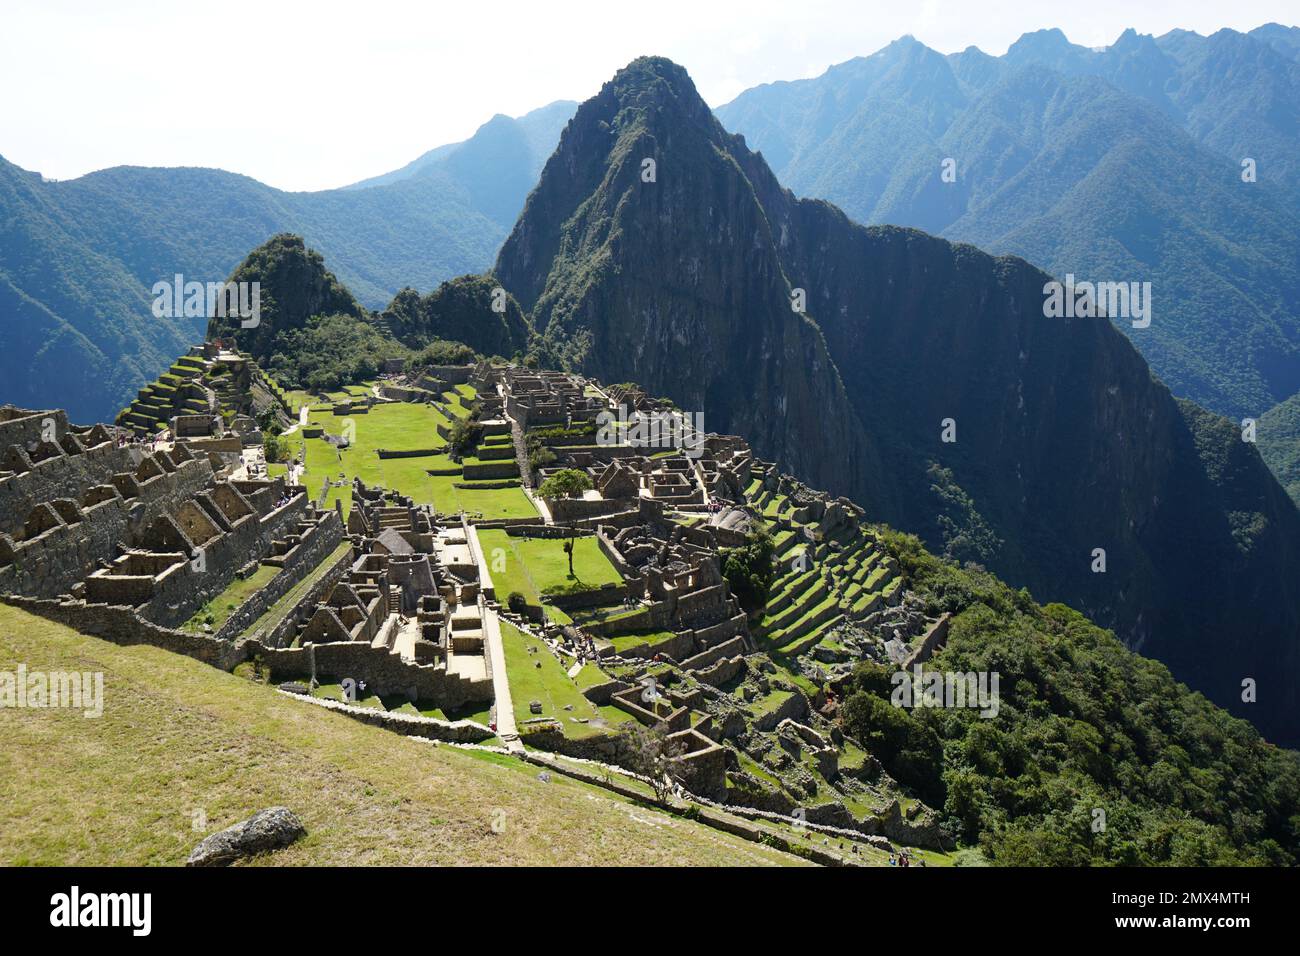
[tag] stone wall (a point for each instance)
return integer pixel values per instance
(383, 672)
(410, 725)
(451, 374)
(122, 625)
(412, 453)
(68, 476)
(582, 509)
(283, 633)
(506, 468)
(177, 598)
(23, 426)
(596, 597)
(52, 562)
(936, 636)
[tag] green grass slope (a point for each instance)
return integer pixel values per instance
(178, 738)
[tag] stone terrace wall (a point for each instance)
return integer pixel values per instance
(596, 597)
(283, 633)
(122, 625)
(430, 728)
(250, 540)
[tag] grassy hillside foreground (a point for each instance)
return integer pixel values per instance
(178, 737)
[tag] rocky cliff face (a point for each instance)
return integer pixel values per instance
(644, 254)
(656, 247)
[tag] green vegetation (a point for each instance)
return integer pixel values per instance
(277, 611)
(463, 437)
(1231, 277)
(565, 483)
(1083, 725)
(535, 674)
(276, 448)
(1044, 412)
(537, 567)
(473, 310)
(1278, 435)
(401, 426)
(439, 352)
(748, 569)
(331, 351)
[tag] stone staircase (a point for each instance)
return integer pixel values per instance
(397, 518)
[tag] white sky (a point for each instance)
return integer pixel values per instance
(320, 94)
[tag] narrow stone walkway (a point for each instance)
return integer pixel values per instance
(506, 728)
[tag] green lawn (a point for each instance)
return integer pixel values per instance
(532, 566)
(590, 676)
(624, 642)
(401, 426)
(549, 684)
(217, 611)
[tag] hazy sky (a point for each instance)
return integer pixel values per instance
(321, 94)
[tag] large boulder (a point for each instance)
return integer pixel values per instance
(268, 830)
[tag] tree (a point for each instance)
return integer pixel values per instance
(274, 447)
(651, 754)
(463, 436)
(748, 569)
(565, 483)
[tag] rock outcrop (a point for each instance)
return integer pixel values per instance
(267, 830)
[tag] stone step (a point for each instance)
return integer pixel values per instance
(809, 599)
(811, 636)
(790, 592)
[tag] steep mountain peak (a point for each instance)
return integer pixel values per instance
(658, 248)
(653, 82)
(645, 252)
(1044, 46)
(1131, 41)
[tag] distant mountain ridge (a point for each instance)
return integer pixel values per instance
(531, 137)
(1116, 165)
(658, 248)
(78, 257)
